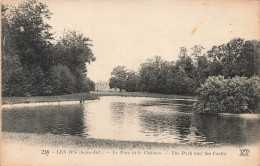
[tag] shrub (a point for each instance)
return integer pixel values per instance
(232, 95)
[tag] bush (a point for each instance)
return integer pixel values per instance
(233, 95)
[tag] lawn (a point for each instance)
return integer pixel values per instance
(38, 99)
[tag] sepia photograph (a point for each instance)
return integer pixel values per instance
(130, 82)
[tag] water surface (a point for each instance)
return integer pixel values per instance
(135, 119)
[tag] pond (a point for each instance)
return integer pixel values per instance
(133, 119)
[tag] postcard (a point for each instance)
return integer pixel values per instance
(130, 82)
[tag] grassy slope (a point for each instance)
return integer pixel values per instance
(37, 99)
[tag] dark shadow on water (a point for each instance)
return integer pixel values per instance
(228, 129)
(58, 120)
(171, 124)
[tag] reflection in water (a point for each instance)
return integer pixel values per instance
(173, 127)
(133, 118)
(183, 125)
(228, 129)
(60, 120)
(117, 112)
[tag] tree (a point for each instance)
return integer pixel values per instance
(73, 51)
(185, 62)
(30, 33)
(119, 71)
(201, 65)
(27, 52)
(14, 81)
(62, 81)
(115, 83)
(149, 74)
(248, 58)
(215, 58)
(13, 74)
(90, 85)
(118, 80)
(231, 52)
(132, 81)
(190, 71)
(236, 58)
(25, 42)
(37, 80)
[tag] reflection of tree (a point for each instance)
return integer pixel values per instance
(171, 123)
(58, 120)
(117, 112)
(183, 125)
(231, 130)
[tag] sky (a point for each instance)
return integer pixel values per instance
(127, 32)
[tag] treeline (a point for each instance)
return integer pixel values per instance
(33, 62)
(237, 58)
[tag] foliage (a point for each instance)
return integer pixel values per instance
(31, 60)
(73, 50)
(30, 32)
(90, 85)
(236, 58)
(225, 78)
(14, 82)
(161, 76)
(232, 95)
(115, 83)
(190, 71)
(119, 76)
(37, 81)
(132, 81)
(61, 80)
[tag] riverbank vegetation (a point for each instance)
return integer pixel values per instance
(39, 99)
(233, 66)
(233, 95)
(36, 64)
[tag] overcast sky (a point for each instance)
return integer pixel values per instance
(128, 32)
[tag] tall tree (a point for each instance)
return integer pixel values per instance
(62, 80)
(185, 62)
(26, 44)
(30, 32)
(236, 58)
(132, 81)
(74, 51)
(118, 80)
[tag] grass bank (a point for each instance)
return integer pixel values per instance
(87, 96)
(38, 99)
(142, 94)
(79, 142)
